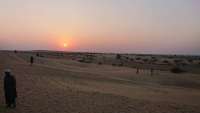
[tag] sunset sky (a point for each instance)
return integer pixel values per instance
(111, 26)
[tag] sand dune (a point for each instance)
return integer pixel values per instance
(61, 85)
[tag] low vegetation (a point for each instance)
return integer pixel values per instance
(177, 70)
(81, 60)
(100, 63)
(176, 61)
(113, 64)
(138, 58)
(118, 56)
(190, 60)
(145, 60)
(120, 64)
(165, 61)
(153, 58)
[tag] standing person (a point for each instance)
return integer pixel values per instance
(31, 60)
(151, 71)
(137, 69)
(10, 88)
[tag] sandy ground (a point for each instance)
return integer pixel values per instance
(55, 85)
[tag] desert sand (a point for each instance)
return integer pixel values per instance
(65, 82)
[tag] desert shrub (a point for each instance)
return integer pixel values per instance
(177, 70)
(73, 59)
(127, 57)
(169, 57)
(87, 61)
(165, 61)
(145, 60)
(176, 61)
(118, 56)
(113, 64)
(190, 60)
(120, 64)
(138, 58)
(184, 64)
(154, 60)
(153, 57)
(91, 58)
(100, 63)
(91, 55)
(81, 60)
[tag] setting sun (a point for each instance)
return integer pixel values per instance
(65, 45)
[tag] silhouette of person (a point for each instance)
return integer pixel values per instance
(10, 88)
(151, 71)
(138, 69)
(31, 60)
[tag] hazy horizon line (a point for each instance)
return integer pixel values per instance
(107, 52)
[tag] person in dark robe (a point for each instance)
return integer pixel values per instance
(138, 69)
(31, 60)
(10, 89)
(151, 71)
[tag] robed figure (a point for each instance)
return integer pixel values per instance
(10, 88)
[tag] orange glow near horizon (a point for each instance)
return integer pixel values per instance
(63, 40)
(101, 26)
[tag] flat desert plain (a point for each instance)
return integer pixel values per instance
(67, 82)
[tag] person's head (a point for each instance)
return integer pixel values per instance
(7, 72)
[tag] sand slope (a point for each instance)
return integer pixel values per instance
(64, 85)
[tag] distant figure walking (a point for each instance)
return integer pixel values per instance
(37, 54)
(31, 60)
(138, 69)
(10, 89)
(151, 71)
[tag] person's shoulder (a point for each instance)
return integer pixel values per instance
(12, 76)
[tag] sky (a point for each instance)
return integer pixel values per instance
(108, 26)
